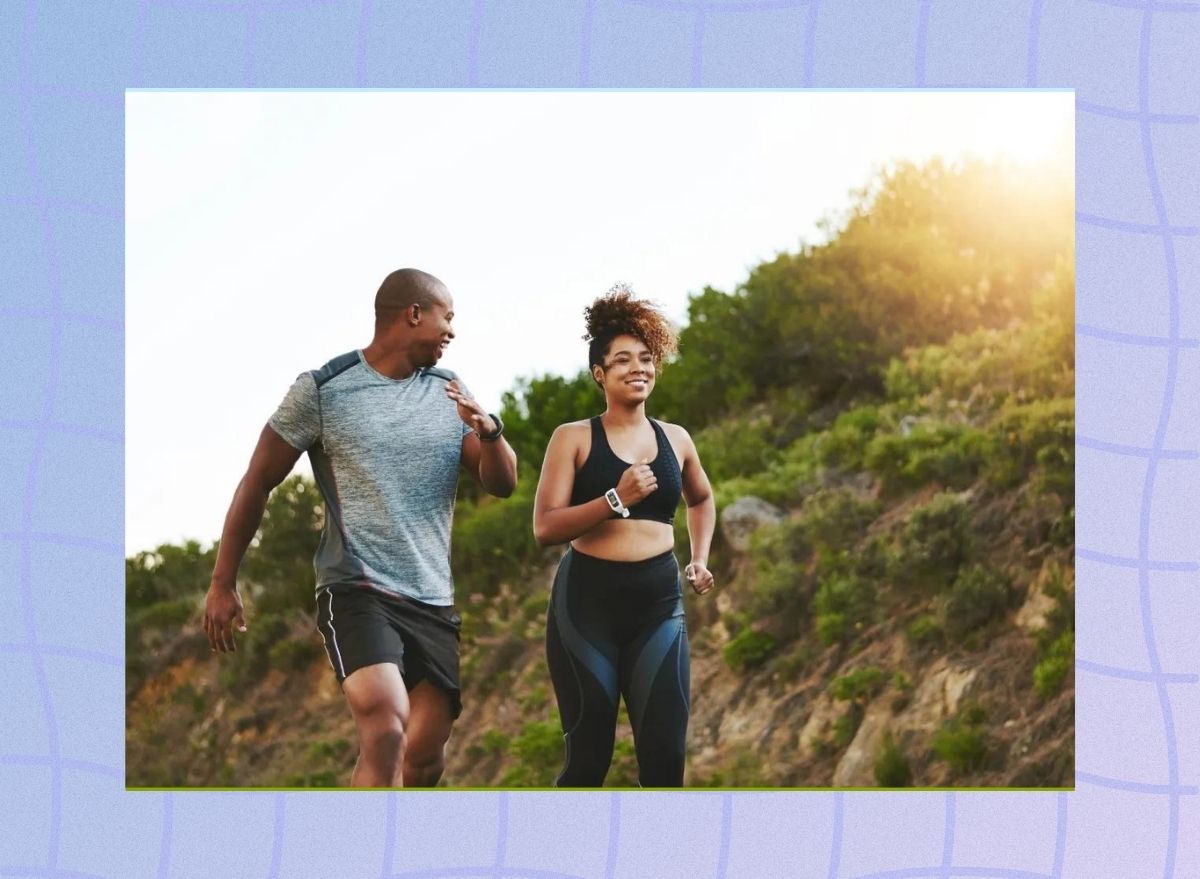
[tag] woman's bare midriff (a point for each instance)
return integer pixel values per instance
(626, 540)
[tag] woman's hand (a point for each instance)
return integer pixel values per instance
(636, 483)
(699, 576)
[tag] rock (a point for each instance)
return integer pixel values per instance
(1033, 614)
(857, 766)
(819, 725)
(744, 516)
(937, 696)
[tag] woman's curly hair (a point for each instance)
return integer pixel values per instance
(618, 313)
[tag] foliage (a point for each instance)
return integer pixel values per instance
(1054, 666)
(293, 653)
(843, 605)
(279, 560)
(737, 447)
(937, 540)
(924, 630)
(858, 685)
(978, 595)
(536, 755)
(1056, 642)
(950, 455)
(892, 768)
(962, 741)
(537, 405)
(166, 573)
(492, 541)
(748, 649)
(1040, 437)
(833, 519)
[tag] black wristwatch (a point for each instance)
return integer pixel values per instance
(492, 437)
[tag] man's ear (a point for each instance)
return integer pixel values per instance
(414, 313)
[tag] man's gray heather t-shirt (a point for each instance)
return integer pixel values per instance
(385, 454)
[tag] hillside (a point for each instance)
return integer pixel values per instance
(890, 436)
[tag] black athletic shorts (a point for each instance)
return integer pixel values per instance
(363, 627)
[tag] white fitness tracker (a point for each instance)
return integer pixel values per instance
(614, 501)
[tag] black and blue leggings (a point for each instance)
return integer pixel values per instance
(617, 629)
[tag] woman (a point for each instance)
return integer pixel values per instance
(610, 486)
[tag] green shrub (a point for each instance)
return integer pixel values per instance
(836, 518)
(537, 755)
(858, 685)
(293, 653)
(748, 649)
(978, 595)
(1035, 440)
(492, 540)
(949, 454)
(844, 604)
(924, 630)
(892, 768)
(844, 444)
(623, 771)
(1052, 670)
(937, 541)
(961, 741)
(737, 447)
(169, 613)
(846, 726)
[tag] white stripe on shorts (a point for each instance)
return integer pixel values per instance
(333, 632)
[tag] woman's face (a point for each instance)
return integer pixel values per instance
(628, 373)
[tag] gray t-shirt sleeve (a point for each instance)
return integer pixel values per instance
(298, 418)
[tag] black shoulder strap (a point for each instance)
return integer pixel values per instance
(335, 367)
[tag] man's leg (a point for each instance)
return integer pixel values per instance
(380, 706)
(430, 718)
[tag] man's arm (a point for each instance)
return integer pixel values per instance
(494, 463)
(270, 464)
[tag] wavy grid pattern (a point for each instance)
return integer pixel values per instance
(1134, 812)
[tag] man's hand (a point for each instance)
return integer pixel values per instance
(471, 413)
(222, 609)
(699, 576)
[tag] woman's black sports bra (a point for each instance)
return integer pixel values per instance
(602, 470)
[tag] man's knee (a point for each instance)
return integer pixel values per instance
(383, 732)
(423, 766)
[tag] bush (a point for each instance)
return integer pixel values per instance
(949, 454)
(492, 540)
(937, 541)
(978, 595)
(748, 649)
(961, 743)
(1052, 670)
(170, 613)
(924, 630)
(293, 653)
(858, 685)
(836, 518)
(1035, 440)
(537, 755)
(844, 444)
(892, 768)
(843, 605)
(737, 447)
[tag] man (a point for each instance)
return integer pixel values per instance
(386, 433)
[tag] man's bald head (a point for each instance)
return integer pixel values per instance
(405, 287)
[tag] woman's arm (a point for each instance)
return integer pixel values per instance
(701, 513)
(555, 521)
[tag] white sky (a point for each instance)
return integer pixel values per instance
(260, 224)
